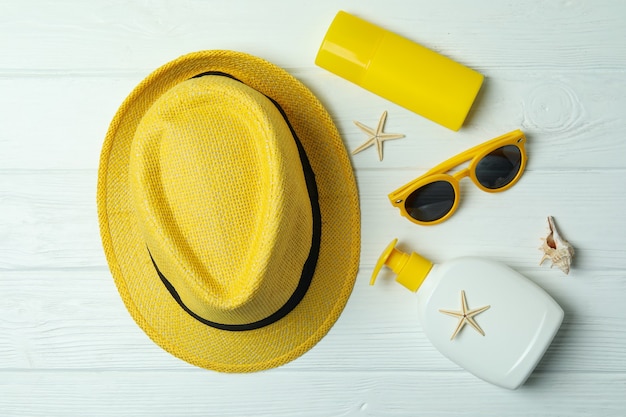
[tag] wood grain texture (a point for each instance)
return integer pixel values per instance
(556, 70)
(307, 394)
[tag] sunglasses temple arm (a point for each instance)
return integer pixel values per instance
(466, 155)
(456, 160)
(472, 152)
(445, 166)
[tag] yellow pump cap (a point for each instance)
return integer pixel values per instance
(411, 269)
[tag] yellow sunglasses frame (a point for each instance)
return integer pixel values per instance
(438, 173)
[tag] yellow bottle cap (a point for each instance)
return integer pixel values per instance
(348, 46)
(411, 269)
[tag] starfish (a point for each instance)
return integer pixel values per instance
(376, 136)
(465, 316)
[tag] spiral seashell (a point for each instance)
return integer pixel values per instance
(557, 249)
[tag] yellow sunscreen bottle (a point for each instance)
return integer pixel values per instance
(399, 70)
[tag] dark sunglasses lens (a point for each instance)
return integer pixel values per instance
(499, 167)
(430, 202)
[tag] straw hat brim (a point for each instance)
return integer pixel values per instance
(148, 300)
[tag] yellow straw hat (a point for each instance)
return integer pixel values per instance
(228, 212)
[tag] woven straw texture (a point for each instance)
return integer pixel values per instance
(222, 194)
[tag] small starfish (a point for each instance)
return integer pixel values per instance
(465, 316)
(376, 136)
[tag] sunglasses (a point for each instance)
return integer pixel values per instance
(494, 166)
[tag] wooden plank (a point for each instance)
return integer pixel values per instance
(74, 319)
(565, 117)
(283, 393)
(48, 220)
(121, 35)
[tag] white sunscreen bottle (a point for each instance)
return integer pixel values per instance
(482, 315)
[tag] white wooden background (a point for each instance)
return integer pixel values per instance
(556, 69)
